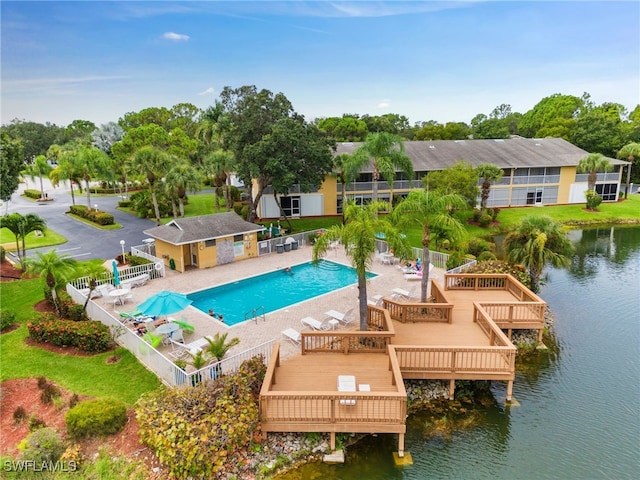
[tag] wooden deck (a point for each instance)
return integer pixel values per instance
(452, 338)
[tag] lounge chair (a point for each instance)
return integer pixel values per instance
(293, 336)
(344, 318)
(375, 301)
(404, 295)
(183, 324)
(347, 383)
(314, 324)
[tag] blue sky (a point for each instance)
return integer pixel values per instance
(427, 60)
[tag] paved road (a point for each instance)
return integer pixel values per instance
(84, 242)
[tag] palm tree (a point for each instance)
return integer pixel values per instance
(54, 270)
(358, 235)
(343, 168)
(631, 152)
(67, 169)
(94, 271)
(90, 161)
(218, 165)
(536, 242)
(21, 226)
(432, 211)
(218, 345)
(386, 151)
(154, 164)
(39, 168)
(593, 163)
(180, 179)
(489, 173)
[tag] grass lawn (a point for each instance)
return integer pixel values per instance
(126, 380)
(8, 240)
(576, 215)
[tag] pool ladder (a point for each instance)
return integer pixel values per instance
(255, 314)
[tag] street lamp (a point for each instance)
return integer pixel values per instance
(95, 207)
(122, 245)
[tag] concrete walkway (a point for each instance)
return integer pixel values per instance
(251, 333)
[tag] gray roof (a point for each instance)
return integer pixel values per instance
(206, 227)
(509, 153)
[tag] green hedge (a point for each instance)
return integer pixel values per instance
(95, 216)
(35, 194)
(95, 418)
(90, 336)
(68, 308)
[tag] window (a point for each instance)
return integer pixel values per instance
(210, 243)
(608, 191)
(290, 206)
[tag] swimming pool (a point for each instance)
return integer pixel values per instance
(275, 290)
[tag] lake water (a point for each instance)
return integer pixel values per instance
(579, 413)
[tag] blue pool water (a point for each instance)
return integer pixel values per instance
(275, 290)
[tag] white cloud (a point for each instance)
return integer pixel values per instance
(208, 91)
(384, 104)
(176, 37)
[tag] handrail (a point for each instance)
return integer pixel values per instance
(254, 315)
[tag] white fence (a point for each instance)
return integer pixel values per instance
(168, 372)
(154, 270)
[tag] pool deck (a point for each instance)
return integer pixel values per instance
(253, 333)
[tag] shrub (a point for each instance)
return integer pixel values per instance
(124, 203)
(476, 246)
(73, 401)
(43, 445)
(485, 220)
(494, 213)
(3, 254)
(476, 214)
(19, 415)
(135, 260)
(35, 194)
(497, 266)
(36, 423)
(95, 418)
(7, 318)
(49, 392)
(90, 336)
(593, 199)
(218, 428)
(456, 259)
(93, 215)
(485, 256)
(42, 382)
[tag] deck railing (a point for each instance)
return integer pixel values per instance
(456, 362)
(489, 327)
(438, 311)
(331, 411)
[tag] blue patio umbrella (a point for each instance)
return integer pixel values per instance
(164, 303)
(116, 274)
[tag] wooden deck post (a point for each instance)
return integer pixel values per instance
(401, 445)
(509, 390)
(452, 388)
(332, 441)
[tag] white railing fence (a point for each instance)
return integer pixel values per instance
(154, 270)
(168, 372)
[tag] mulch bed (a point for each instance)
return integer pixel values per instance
(9, 272)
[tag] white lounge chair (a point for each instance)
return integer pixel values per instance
(314, 324)
(347, 383)
(293, 335)
(344, 318)
(401, 294)
(375, 301)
